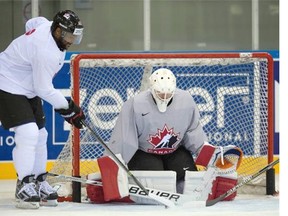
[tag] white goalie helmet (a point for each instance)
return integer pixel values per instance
(162, 86)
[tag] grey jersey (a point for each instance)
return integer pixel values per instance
(140, 125)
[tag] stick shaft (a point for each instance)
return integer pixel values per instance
(115, 157)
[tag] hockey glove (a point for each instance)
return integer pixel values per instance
(227, 157)
(73, 114)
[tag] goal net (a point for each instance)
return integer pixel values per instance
(234, 93)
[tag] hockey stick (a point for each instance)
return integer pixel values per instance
(162, 200)
(135, 190)
(245, 181)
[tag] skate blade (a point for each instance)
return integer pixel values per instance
(49, 203)
(26, 205)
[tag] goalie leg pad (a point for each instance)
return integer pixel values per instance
(114, 179)
(198, 184)
(95, 193)
(221, 185)
(161, 180)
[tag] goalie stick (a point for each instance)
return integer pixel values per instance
(135, 190)
(245, 181)
(175, 198)
(162, 200)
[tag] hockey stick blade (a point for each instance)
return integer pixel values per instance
(162, 200)
(245, 181)
(135, 190)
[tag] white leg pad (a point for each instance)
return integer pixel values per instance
(161, 180)
(198, 184)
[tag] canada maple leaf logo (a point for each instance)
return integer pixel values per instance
(164, 141)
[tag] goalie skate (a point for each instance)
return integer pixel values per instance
(48, 195)
(26, 195)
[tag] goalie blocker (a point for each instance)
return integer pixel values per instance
(201, 185)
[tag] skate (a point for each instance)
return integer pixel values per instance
(48, 196)
(26, 195)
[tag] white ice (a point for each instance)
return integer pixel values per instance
(248, 205)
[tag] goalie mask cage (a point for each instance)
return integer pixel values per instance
(234, 93)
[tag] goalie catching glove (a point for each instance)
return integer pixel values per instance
(73, 115)
(227, 157)
(227, 160)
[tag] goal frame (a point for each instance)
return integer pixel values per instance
(75, 64)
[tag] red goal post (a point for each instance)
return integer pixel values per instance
(234, 93)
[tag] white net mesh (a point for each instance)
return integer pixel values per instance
(231, 94)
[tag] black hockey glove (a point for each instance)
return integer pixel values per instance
(73, 114)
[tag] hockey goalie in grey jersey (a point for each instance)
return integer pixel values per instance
(159, 130)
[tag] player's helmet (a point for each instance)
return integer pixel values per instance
(71, 28)
(162, 86)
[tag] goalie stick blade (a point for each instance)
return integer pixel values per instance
(162, 200)
(176, 198)
(216, 200)
(245, 181)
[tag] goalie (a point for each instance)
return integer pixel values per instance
(159, 130)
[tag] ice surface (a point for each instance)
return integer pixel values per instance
(247, 205)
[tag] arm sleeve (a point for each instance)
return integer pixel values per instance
(195, 136)
(44, 69)
(124, 138)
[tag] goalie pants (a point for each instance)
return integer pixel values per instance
(16, 110)
(178, 161)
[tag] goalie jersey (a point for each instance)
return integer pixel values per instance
(140, 125)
